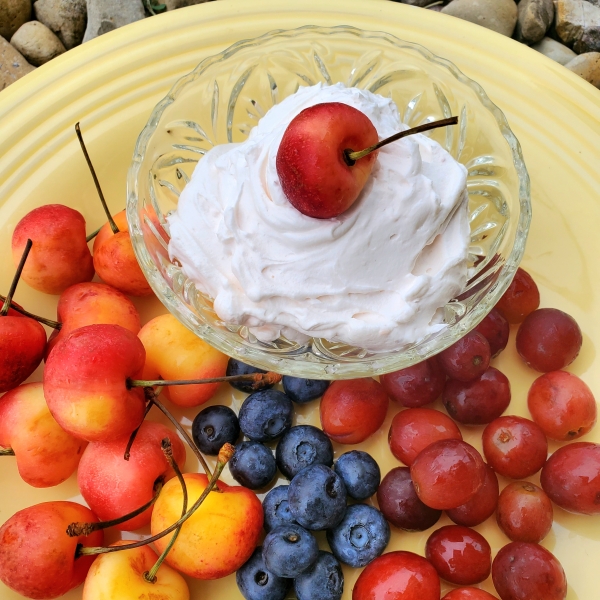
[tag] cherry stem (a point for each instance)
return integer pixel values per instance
(351, 156)
(113, 225)
(151, 395)
(15, 281)
(49, 322)
(259, 380)
(77, 529)
(225, 454)
(150, 576)
(7, 452)
(92, 235)
(134, 433)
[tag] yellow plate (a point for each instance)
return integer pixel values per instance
(111, 85)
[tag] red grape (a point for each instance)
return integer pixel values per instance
(479, 401)
(467, 358)
(495, 329)
(481, 506)
(468, 593)
(521, 298)
(398, 575)
(412, 430)
(400, 504)
(524, 571)
(524, 512)
(416, 385)
(571, 477)
(460, 555)
(562, 405)
(515, 447)
(447, 474)
(549, 340)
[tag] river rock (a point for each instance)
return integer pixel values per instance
(497, 15)
(534, 19)
(66, 18)
(37, 43)
(587, 66)
(174, 4)
(13, 13)
(555, 50)
(107, 15)
(578, 25)
(12, 64)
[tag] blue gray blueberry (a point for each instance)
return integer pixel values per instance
(289, 550)
(256, 582)
(237, 367)
(359, 472)
(301, 390)
(302, 446)
(276, 508)
(253, 465)
(324, 580)
(265, 415)
(213, 427)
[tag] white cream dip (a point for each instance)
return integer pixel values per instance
(373, 277)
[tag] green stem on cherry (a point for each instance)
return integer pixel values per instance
(225, 454)
(258, 380)
(15, 281)
(92, 235)
(351, 156)
(26, 313)
(150, 576)
(7, 452)
(113, 225)
(134, 433)
(77, 529)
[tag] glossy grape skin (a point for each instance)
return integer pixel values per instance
(398, 575)
(496, 330)
(467, 358)
(412, 430)
(460, 555)
(524, 512)
(520, 299)
(481, 506)
(562, 405)
(353, 409)
(400, 504)
(571, 478)
(549, 340)
(524, 571)
(447, 474)
(514, 446)
(416, 385)
(468, 593)
(479, 401)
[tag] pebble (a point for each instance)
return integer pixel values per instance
(534, 20)
(578, 25)
(66, 18)
(12, 64)
(587, 66)
(107, 15)
(555, 50)
(497, 15)
(13, 13)
(37, 43)
(174, 4)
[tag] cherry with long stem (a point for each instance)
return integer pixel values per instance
(15, 281)
(351, 156)
(225, 454)
(113, 225)
(167, 449)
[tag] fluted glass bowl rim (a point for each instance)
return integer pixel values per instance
(327, 368)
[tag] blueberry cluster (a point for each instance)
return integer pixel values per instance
(315, 499)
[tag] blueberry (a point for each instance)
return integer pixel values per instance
(323, 581)
(304, 390)
(213, 427)
(276, 508)
(317, 497)
(253, 465)
(256, 582)
(237, 367)
(289, 550)
(302, 446)
(359, 472)
(361, 537)
(265, 415)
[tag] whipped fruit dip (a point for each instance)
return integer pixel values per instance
(375, 277)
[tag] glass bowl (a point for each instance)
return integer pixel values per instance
(225, 96)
